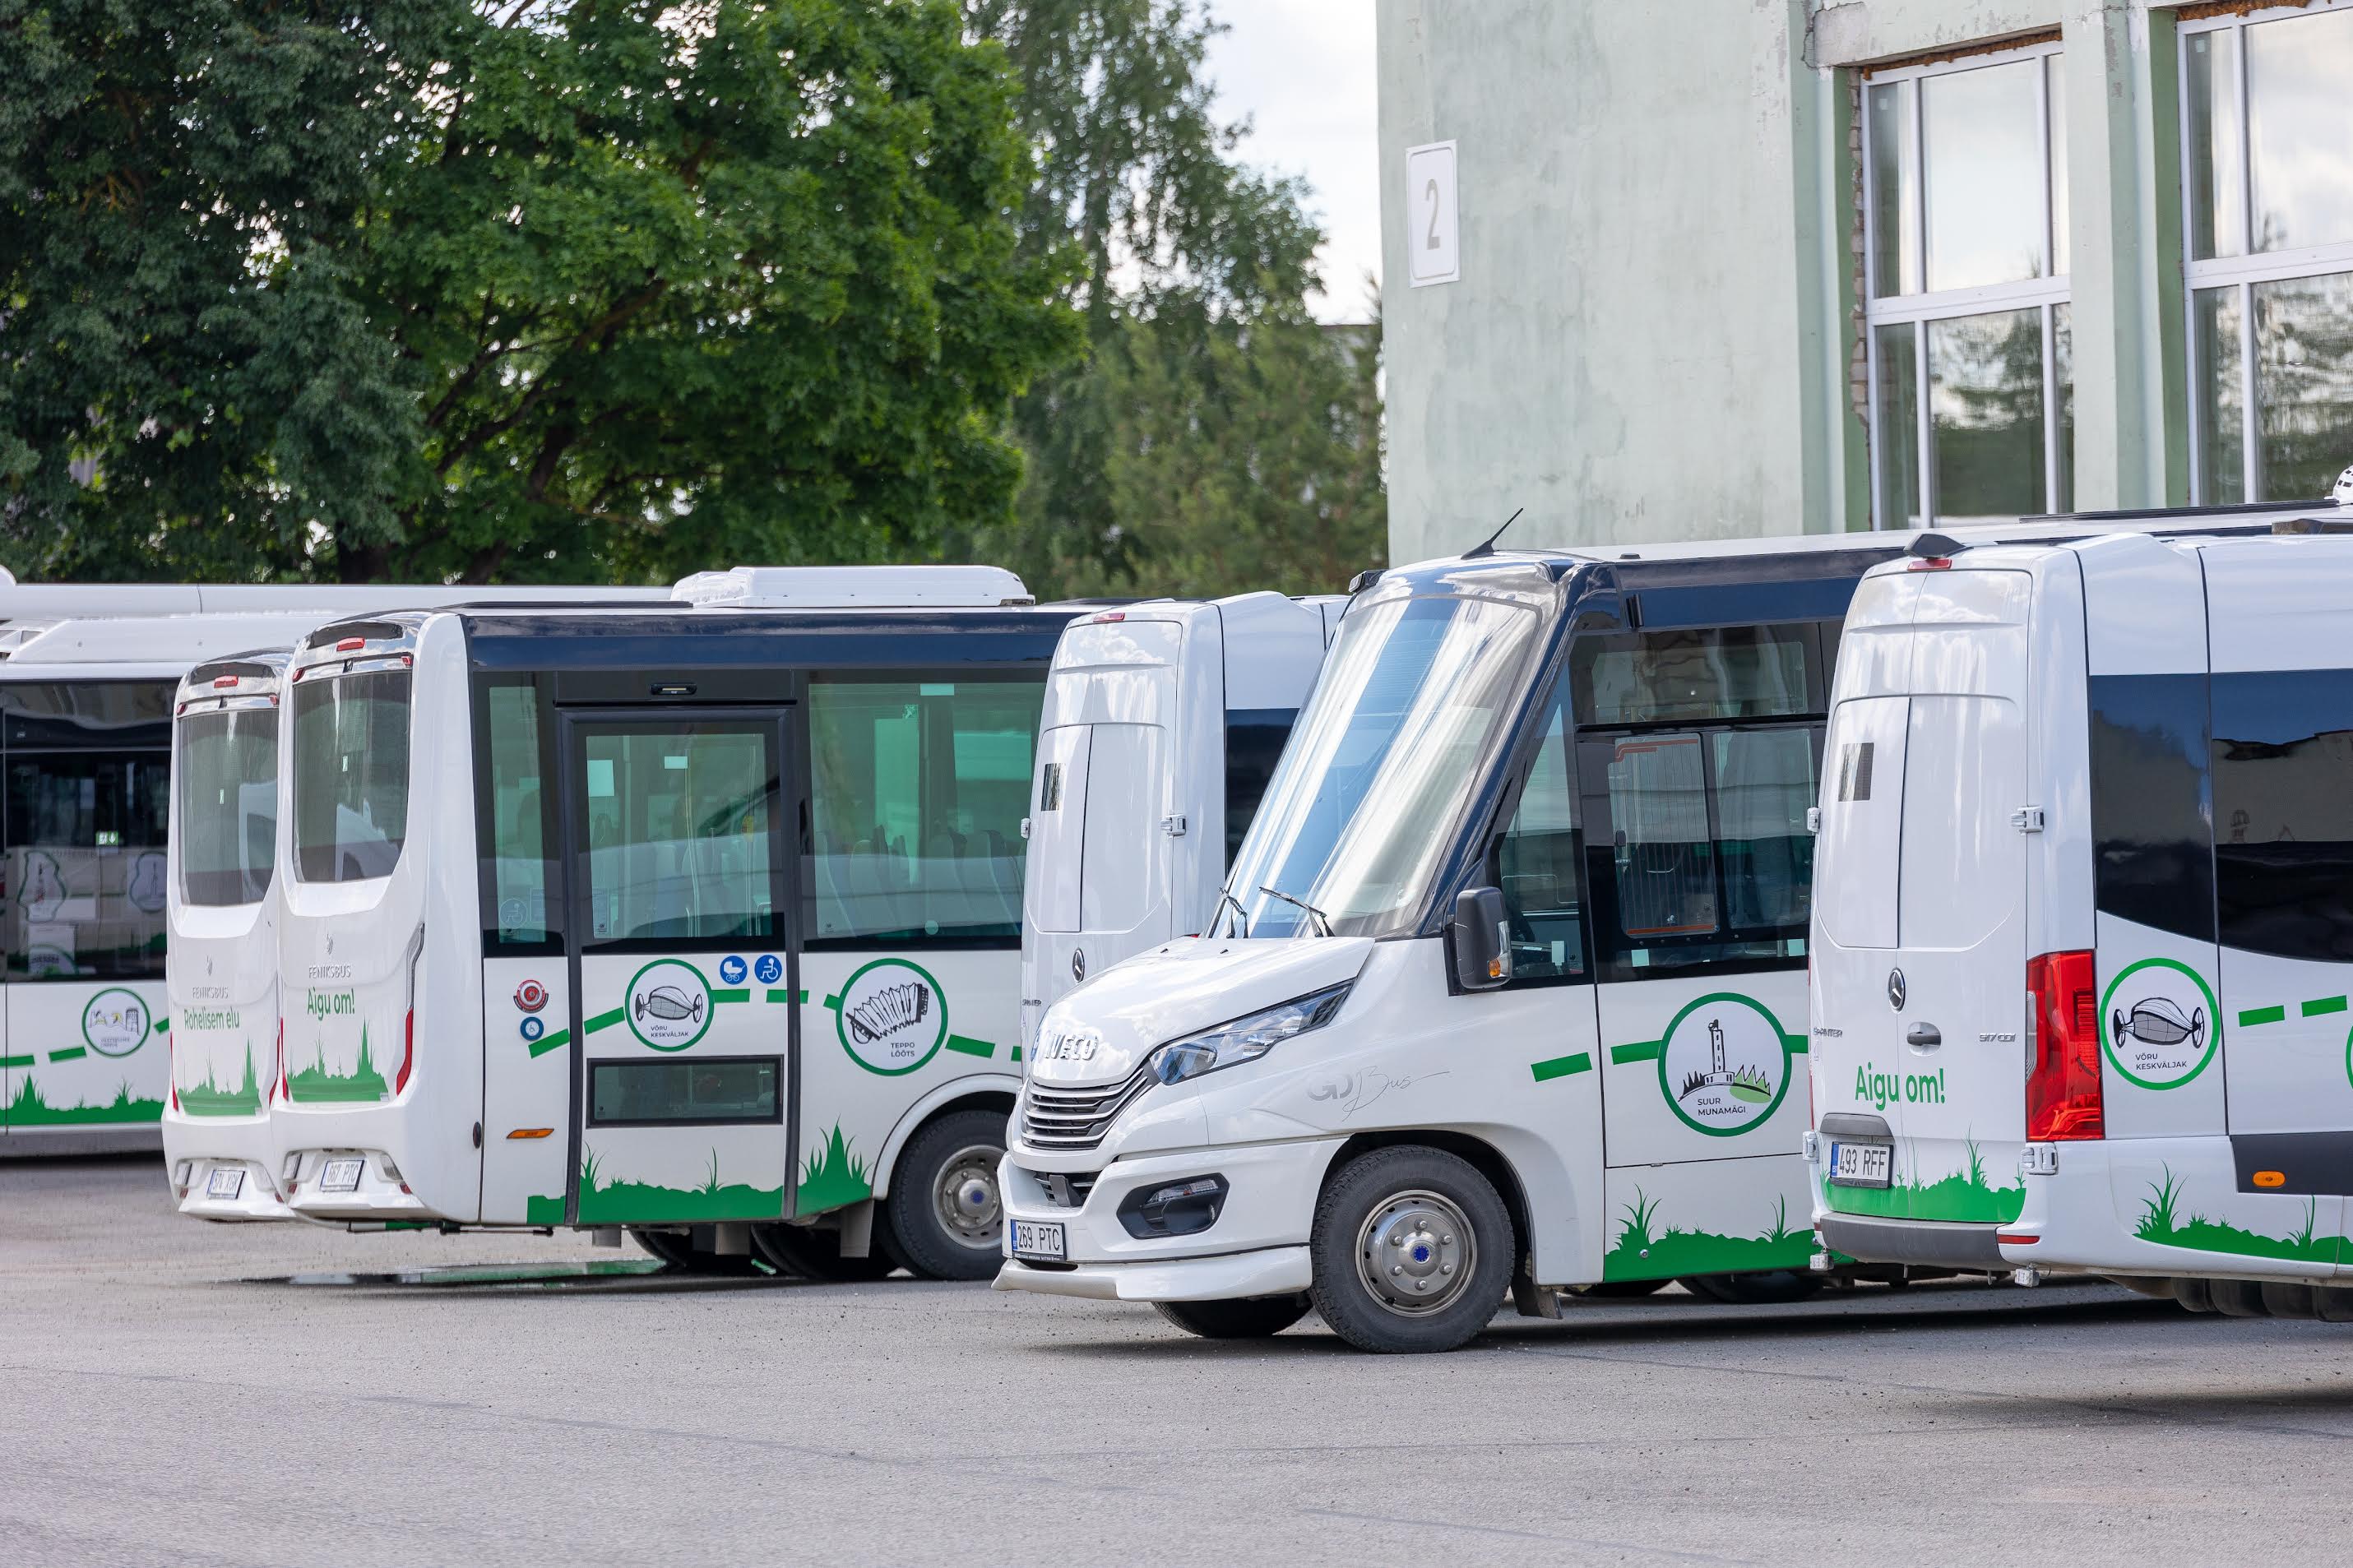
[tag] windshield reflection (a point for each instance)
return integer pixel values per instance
(1414, 700)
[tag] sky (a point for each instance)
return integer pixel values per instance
(1303, 71)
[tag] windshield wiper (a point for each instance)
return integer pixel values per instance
(1321, 919)
(1242, 919)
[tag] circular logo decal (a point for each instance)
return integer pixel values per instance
(892, 1016)
(668, 1006)
(533, 1027)
(531, 997)
(731, 971)
(768, 968)
(1724, 1065)
(114, 1023)
(2159, 1023)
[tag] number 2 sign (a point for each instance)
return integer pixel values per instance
(1433, 232)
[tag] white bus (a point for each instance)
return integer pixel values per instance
(702, 921)
(1162, 724)
(2084, 932)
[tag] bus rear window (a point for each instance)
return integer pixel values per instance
(351, 776)
(226, 773)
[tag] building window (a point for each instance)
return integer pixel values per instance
(2268, 215)
(1965, 245)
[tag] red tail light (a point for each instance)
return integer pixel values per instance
(2062, 1076)
(1931, 563)
(223, 682)
(407, 1053)
(349, 645)
(282, 1093)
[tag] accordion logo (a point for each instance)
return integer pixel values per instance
(890, 1016)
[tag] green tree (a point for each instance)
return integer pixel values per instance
(608, 288)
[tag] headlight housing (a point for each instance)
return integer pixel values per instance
(1247, 1038)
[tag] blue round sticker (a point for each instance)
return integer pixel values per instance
(769, 968)
(731, 971)
(533, 1026)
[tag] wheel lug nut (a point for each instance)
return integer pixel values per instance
(1397, 1268)
(1446, 1268)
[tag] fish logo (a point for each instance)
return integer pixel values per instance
(669, 1006)
(2159, 1021)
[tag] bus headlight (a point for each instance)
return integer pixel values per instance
(1246, 1039)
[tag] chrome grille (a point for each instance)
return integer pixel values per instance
(1077, 1118)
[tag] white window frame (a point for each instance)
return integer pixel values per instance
(1918, 309)
(2242, 271)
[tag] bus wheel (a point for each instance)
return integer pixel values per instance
(945, 1212)
(1411, 1249)
(1258, 1318)
(679, 1252)
(1770, 1287)
(805, 1252)
(1621, 1289)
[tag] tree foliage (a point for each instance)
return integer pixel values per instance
(598, 289)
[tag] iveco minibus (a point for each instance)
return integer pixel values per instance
(702, 921)
(2082, 936)
(1162, 724)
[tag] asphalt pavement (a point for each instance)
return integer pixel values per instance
(178, 1392)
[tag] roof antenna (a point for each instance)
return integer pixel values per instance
(1487, 546)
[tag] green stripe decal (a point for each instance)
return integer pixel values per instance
(731, 995)
(1017, 1053)
(2326, 1004)
(162, 1025)
(70, 1054)
(554, 1040)
(981, 1048)
(1797, 1044)
(2254, 1015)
(1561, 1066)
(834, 1003)
(606, 1020)
(1644, 1051)
(17, 1062)
(793, 998)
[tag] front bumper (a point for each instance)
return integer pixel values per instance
(1257, 1247)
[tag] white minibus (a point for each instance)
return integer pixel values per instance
(2083, 930)
(702, 921)
(1162, 724)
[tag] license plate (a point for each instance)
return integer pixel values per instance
(1861, 1165)
(341, 1176)
(224, 1183)
(1039, 1238)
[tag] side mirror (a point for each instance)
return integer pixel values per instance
(1483, 947)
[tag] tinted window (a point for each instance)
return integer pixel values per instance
(227, 774)
(351, 776)
(517, 875)
(1538, 867)
(917, 792)
(1254, 738)
(89, 768)
(679, 819)
(698, 1088)
(2152, 812)
(1689, 676)
(2282, 766)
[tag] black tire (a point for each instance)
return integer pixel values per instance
(1622, 1289)
(1767, 1287)
(2194, 1295)
(679, 1252)
(2237, 1298)
(2283, 1298)
(944, 1150)
(1410, 1198)
(804, 1252)
(1258, 1318)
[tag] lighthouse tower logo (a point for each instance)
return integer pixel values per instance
(1723, 1065)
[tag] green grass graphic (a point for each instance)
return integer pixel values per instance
(316, 1084)
(209, 1099)
(1965, 1196)
(1641, 1252)
(644, 1203)
(833, 1176)
(2160, 1223)
(538, 1210)
(1751, 1085)
(29, 1109)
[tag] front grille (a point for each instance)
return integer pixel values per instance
(1065, 1192)
(1077, 1118)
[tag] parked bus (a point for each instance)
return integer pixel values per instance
(702, 921)
(1162, 724)
(2083, 935)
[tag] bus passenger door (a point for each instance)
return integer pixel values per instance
(682, 995)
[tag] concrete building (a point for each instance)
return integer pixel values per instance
(1711, 267)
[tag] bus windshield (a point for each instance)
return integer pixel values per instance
(351, 776)
(226, 773)
(1416, 696)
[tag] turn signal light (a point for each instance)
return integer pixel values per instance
(532, 1133)
(2063, 1072)
(2270, 1178)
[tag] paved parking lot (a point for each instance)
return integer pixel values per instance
(163, 1402)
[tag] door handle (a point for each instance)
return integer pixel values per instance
(1923, 1037)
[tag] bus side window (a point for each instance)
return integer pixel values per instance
(518, 872)
(2283, 812)
(89, 766)
(1537, 862)
(1254, 739)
